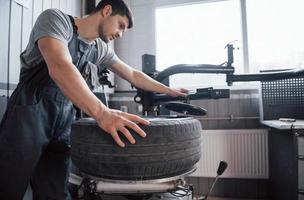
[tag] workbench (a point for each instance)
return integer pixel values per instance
(286, 159)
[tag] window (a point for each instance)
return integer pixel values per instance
(275, 34)
(197, 34)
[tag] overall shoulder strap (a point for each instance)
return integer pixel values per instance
(75, 28)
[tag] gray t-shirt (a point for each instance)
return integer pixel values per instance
(54, 23)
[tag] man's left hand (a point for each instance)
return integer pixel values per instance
(178, 92)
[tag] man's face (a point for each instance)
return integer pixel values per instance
(113, 27)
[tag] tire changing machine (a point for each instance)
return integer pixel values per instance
(173, 188)
(94, 188)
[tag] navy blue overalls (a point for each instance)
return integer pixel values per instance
(35, 131)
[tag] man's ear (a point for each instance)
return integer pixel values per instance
(107, 10)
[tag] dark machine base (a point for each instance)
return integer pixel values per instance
(159, 196)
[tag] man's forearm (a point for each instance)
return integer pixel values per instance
(67, 77)
(145, 82)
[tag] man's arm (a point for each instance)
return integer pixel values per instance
(69, 80)
(143, 81)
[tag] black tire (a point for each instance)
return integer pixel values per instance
(171, 148)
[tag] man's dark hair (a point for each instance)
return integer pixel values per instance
(118, 7)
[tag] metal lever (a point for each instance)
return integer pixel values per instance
(220, 170)
(208, 93)
(222, 167)
(185, 108)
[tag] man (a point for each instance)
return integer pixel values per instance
(34, 134)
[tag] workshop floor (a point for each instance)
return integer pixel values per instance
(221, 198)
(28, 196)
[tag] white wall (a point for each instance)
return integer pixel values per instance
(137, 41)
(20, 22)
(16, 24)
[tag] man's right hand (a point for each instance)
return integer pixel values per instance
(115, 121)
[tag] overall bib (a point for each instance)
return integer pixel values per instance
(35, 131)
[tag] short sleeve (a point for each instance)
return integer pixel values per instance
(53, 23)
(106, 54)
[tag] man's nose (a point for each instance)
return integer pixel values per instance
(119, 34)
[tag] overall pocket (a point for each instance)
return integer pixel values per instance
(90, 74)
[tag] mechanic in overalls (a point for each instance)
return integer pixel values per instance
(34, 133)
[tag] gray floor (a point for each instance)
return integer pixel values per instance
(218, 198)
(28, 194)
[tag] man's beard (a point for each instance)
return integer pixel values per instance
(102, 35)
(104, 38)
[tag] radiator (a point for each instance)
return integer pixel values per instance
(245, 151)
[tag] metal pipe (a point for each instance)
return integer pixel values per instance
(74, 179)
(200, 68)
(127, 187)
(218, 69)
(266, 76)
(226, 118)
(135, 187)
